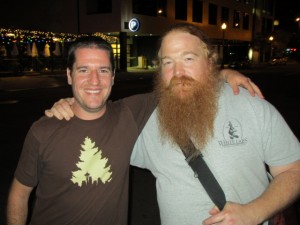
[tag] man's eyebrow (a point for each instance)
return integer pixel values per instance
(164, 57)
(100, 67)
(105, 67)
(80, 67)
(189, 52)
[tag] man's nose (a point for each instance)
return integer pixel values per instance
(95, 77)
(178, 70)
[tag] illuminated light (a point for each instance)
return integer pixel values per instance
(223, 26)
(25, 35)
(160, 11)
(10, 35)
(250, 54)
(134, 24)
(276, 23)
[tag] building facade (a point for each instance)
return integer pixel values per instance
(136, 25)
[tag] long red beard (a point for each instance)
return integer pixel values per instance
(187, 110)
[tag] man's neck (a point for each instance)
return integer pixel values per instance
(88, 115)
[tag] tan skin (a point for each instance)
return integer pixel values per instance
(92, 79)
(179, 53)
(62, 109)
(180, 56)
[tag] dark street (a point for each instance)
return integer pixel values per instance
(23, 100)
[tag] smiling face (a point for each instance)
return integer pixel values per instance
(91, 79)
(183, 60)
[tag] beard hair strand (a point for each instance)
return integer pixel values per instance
(190, 117)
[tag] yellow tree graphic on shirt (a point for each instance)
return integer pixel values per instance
(92, 166)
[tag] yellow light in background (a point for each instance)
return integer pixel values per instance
(10, 35)
(250, 54)
(223, 26)
(116, 48)
(56, 39)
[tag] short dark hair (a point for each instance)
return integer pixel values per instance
(89, 42)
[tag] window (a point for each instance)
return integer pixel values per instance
(99, 6)
(246, 21)
(150, 7)
(268, 6)
(197, 11)
(269, 26)
(236, 19)
(225, 14)
(181, 9)
(212, 14)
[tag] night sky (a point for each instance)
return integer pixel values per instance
(286, 12)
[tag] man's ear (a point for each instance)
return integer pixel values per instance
(113, 77)
(69, 76)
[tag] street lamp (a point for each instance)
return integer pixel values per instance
(223, 27)
(298, 21)
(271, 38)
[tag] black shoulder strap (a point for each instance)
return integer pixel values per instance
(207, 178)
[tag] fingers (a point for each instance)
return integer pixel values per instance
(256, 89)
(214, 219)
(236, 89)
(252, 88)
(48, 113)
(214, 211)
(70, 101)
(247, 83)
(61, 109)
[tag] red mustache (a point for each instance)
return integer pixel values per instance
(184, 80)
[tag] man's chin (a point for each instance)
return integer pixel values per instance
(182, 93)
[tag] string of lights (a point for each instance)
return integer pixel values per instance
(9, 38)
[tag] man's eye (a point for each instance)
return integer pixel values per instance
(165, 63)
(104, 71)
(82, 70)
(189, 59)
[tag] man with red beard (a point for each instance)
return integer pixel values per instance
(237, 136)
(186, 95)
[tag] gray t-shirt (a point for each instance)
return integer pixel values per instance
(248, 134)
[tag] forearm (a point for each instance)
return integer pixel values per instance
(282, 191)
(17, 213)
(17, 204)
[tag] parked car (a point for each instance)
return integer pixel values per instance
(240, 63)
(278, 60)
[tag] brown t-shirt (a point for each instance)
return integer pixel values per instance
(81, 168)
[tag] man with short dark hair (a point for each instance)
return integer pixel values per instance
(80, 168)
(138, 112)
